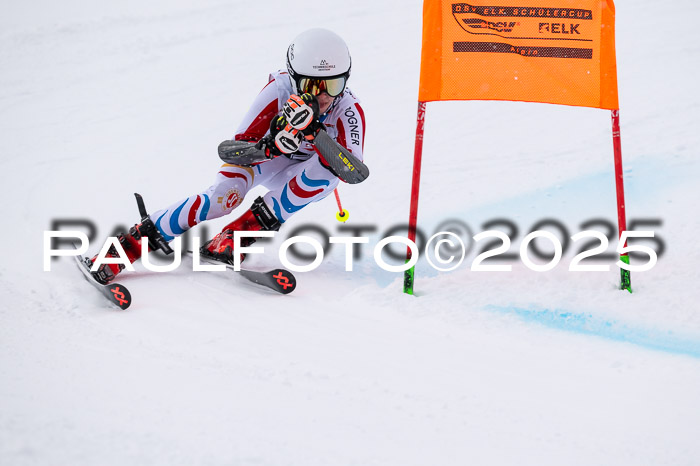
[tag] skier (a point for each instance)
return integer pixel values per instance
(282, 122)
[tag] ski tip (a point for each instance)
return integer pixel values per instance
(119, 295)
(284, 280)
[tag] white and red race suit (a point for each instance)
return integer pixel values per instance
(293, 181)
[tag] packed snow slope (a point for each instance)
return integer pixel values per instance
(101, 100)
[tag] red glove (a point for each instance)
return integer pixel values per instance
(286, 138)
(302, 113)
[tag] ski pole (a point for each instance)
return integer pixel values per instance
(342, 215)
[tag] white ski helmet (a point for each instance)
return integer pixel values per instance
(318, 60)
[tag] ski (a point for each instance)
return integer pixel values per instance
(280, 280)
(115, 293)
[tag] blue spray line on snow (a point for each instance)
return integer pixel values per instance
(587, 324)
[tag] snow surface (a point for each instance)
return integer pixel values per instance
(100, 100)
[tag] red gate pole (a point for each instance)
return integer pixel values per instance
(409, 274)
(625, 279)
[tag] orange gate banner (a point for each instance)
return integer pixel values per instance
(552, 51)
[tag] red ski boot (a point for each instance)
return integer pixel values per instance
(131, 243)
(258, 217)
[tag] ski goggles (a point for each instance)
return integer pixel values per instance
(333, 86)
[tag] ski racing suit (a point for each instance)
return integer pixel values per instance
(294, 181)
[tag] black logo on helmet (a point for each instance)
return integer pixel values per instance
(324, 66)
